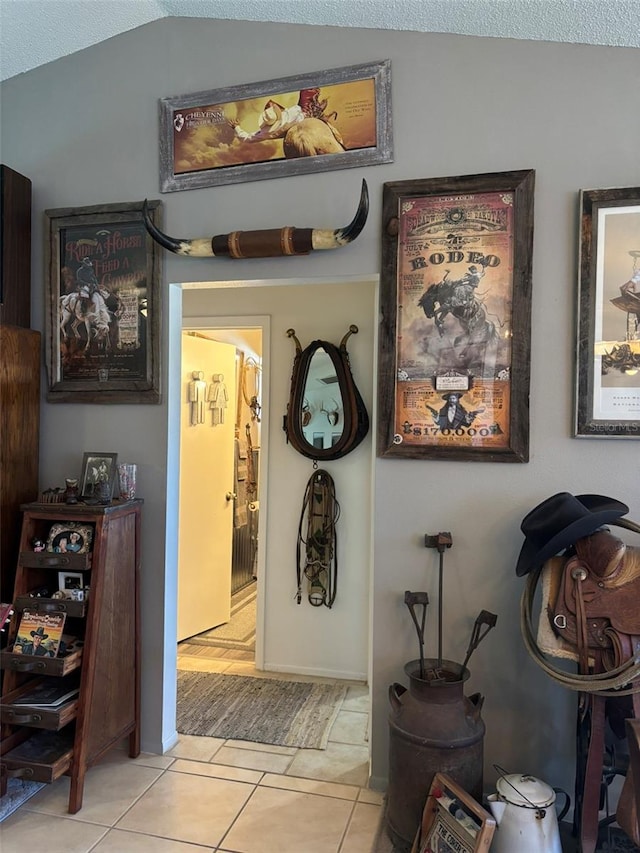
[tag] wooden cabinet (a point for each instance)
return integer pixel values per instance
(101, 655)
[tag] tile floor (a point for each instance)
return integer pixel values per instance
(208, 794)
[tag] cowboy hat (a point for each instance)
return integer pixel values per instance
(561, 520)
(39, 632)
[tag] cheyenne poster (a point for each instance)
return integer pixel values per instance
(205, 137)
(454, 327)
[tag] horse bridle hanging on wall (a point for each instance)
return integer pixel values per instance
(270, 243)
(322, 364)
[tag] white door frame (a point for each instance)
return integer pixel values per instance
(262, 322)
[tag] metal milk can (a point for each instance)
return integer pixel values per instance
(524, 809)
(433, 728)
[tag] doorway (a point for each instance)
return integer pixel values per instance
(220, 447)
(291, 638)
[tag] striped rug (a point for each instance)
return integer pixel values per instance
(262, 710)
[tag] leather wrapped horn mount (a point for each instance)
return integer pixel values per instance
(270, 243)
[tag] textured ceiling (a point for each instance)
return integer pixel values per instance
(34, 32)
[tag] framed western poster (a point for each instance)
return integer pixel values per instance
(454, 353)
(607, 403)
(102, 283)
(334, 119)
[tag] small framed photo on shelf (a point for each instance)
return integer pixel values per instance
(453, 821)
(98, 468)
(71, 583)
(70, 538)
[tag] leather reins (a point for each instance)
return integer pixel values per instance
(317, 547)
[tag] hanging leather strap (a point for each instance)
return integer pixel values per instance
(317, 547)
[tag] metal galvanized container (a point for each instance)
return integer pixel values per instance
(433, 728)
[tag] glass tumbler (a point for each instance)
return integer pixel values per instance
(127, 481)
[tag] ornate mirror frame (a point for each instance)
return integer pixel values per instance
(355, 419)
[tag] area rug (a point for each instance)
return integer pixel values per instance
(240, 631)
(262, 710)
(18, 792)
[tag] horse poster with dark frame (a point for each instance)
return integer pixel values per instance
(103, 322)
(39, 634)
(456, 305)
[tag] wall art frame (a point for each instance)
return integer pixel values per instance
(455, 329)
(200, 145)
(102, 292)
(607, 389)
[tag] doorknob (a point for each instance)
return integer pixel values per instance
(231, 496)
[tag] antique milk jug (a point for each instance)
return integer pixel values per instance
(433, 728)
(525, 813)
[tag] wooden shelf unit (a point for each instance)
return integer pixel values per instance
(106, 661)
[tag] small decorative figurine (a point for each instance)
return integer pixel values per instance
(71, 491)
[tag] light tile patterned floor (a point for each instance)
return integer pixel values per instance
(208, 794)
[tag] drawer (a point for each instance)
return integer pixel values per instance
(50, 605)
(51, 560)
(52, 718)
(44, 757)
(39, 665)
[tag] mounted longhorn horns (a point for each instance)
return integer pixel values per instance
(264, 244)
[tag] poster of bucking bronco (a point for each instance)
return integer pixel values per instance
(454, 279)
(103, 285)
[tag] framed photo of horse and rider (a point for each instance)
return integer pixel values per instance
(103, 320)
(333, 119)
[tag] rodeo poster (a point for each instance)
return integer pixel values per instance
(454, 326)
(104, 310)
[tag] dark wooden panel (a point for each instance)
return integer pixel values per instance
(15, 248)
(19, 438)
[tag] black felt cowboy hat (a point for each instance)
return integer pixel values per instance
(561, 520)
(39, 632)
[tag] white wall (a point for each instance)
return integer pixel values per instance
(85, 130)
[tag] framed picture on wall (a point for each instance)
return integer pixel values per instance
(456, 314)
(336, 119)
(102, 282)
(607, 402)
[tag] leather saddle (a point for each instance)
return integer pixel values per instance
(597, 605)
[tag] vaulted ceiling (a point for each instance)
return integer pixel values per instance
(35, 32)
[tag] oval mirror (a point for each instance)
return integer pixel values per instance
(326, 416)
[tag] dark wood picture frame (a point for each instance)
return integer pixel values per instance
(455, 303)
(607, 396)
(92, 462)
(102, 291)
(199, 146)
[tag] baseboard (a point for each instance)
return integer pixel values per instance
(378, 783)
(317, 673)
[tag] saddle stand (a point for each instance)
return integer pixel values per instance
(595, 609)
